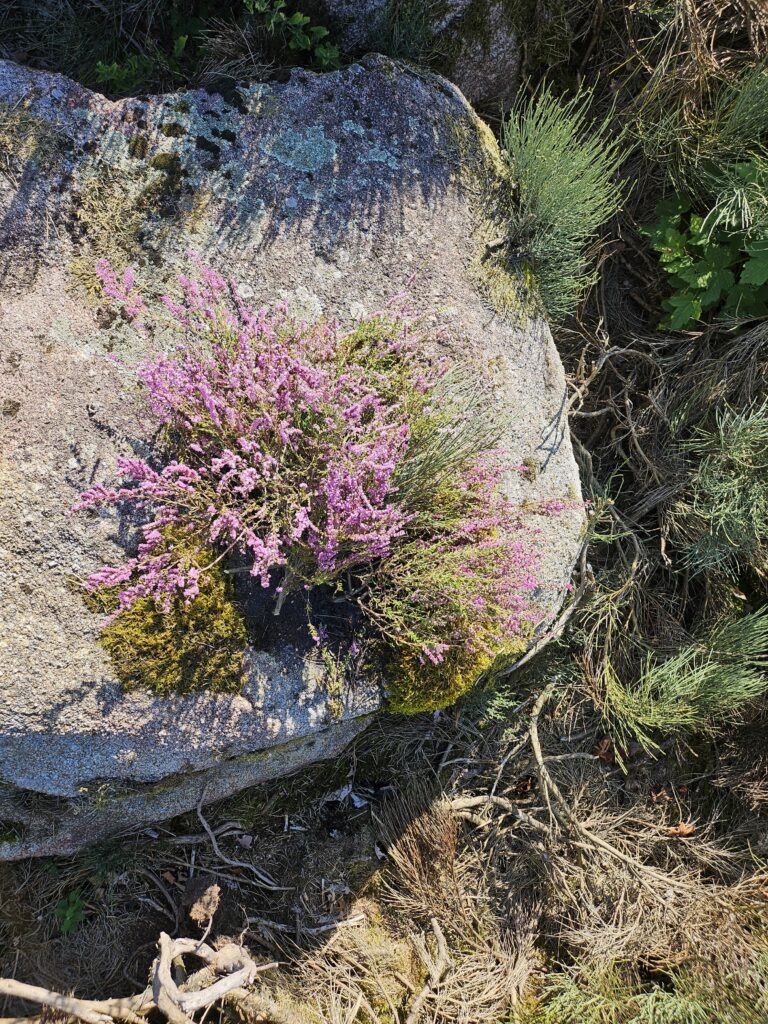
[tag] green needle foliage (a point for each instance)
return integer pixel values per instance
(699, 686)
(564, 169)
(726, 516)
(615, 995)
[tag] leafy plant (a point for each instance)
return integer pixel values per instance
(564, 170)
(712, 268)
(128, 77)
(297, 31)
(70, 912)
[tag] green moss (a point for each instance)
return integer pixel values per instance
(199, 646)
(490, 191)
(173, 130)
(169, 163)
(138, 147)
(414, 686)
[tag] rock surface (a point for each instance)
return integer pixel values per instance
(473, 42)
(334, 191)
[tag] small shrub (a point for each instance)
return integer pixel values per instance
(564, 173)
(70, 912)
(725, 515)
(616, 994)
(312, 457)
(700, 686)
(712, 268)
(296, 31)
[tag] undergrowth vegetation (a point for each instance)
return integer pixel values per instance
(564, 172)
(129, 47)
(586, 842)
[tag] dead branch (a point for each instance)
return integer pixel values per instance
(261, 877)
(437, 969)
(228, 972)
(92, 1011)
(278, 926)
(468, 803)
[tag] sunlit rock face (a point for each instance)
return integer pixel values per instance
(332, 191)
(474, 42)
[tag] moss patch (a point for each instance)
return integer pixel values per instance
(195, 647)
(414, 687)
(486, 179)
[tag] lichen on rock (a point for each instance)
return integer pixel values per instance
(347, 234)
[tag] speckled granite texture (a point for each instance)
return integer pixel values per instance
(333, 191)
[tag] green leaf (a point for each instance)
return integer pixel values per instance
(673, 208)
(327, 56)
(715, 284)
(683, 309)
(755, 269)
(745, 301)
(107, 72)
(70, 912)
(178, 45)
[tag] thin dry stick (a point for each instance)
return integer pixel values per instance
(467, 803)
(331, 926)
(262, 878)
(437, 970)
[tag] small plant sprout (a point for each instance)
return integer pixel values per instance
(312, 456)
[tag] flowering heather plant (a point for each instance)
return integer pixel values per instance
(313, 455)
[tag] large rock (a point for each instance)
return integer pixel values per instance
(475, 43)
(334, 191)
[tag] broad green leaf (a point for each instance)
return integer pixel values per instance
(755, 269)
(683, 308)
(717, 283)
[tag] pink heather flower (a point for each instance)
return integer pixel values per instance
(120, 290)
(288, 441)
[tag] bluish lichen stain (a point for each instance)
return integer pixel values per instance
(353, 127)
(305, 151)
(380, 155)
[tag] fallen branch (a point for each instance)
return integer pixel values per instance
(228, 972)
(278, 926)
(261, 877)
(468, 803)
(437, 969)
(92, 1011)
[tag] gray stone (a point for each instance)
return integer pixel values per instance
(473, 42)
(334, 191)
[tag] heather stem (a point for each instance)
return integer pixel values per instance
(285, 589)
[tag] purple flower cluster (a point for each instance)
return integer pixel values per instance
(327, 454)
(464, 578)
(286, 443)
